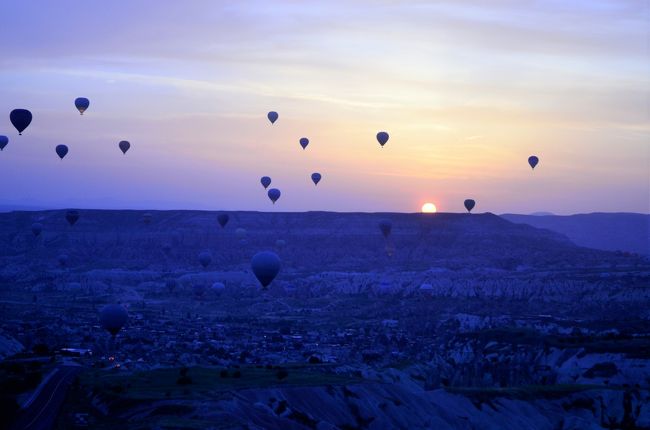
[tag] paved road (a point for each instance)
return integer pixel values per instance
(43, 411)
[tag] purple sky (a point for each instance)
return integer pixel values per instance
(466, 89)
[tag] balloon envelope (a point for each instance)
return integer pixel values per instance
(20, 118)
(72, 216)
(382, 138)
(223, 219)
(4, 140)
(240, 233)
(81, 103)
(124, 146)
(274, 194)
(533, 160)
(385, 226)
(37, 228)
(272, 116)
(316, 177)
(265, 181)
(266, 266)
(469, 204)
(304, 142)
(218, 287)
(280, 243)
(113, 318)
(61, 151)
(199, 289)
(205, 258)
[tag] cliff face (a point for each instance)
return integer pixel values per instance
(399, 406)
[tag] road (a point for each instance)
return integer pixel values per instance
(42, 412)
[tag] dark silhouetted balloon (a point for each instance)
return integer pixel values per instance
(316, 177)
(382, 138)
(265, 181)
(4, 140)
(72, 216)
(81, 103)
(37, 228)
(20, 118)
(124, 146)
(533, 160)
(223, 219)
(113, 318)
(272, 116)
(304, 142)
(170, 284)
(205, 258)
(266, 266)
(61, 151)
(385, 226)
(274, 194)
(469, 204)
(199, 289)
(146, 218)
(63, 260)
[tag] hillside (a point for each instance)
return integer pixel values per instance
(628, 232)
(314, 240)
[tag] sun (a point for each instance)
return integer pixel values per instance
(429, 208)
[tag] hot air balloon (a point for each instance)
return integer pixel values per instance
(533, 160)
(61, 151)
(37, 228)
(20, 118)
(72, 216)
(304, 142)
(280, 243)
(170, 284)
(113, 318)
(199, 289)
(316, 177)
(469, 204)
(272, 116)
(240, 233)
(205, 258)
(274, 194)
(218, 287)
(382, 138)
(124, 146)
(4, 140)
(223, 219)
(146, 218)
(385, 226)
(63, 260)
(265, 181)
(81, 103)
(266, 266)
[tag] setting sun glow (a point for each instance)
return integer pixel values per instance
(429, 208)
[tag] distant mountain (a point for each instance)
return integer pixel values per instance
(607, 231)
(315, 241)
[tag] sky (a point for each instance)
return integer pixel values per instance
(467, 90)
